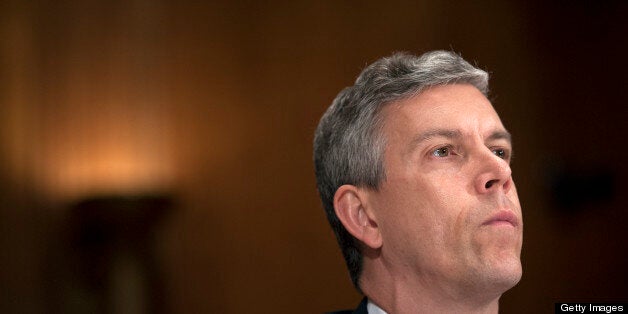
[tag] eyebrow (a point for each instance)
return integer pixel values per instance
(455, 134)
(430, 134)
(500, 135)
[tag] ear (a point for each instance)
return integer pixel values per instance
(350, 204)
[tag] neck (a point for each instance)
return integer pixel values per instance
(407, 294)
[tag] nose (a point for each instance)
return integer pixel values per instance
(494, 174)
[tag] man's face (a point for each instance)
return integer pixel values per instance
(448, 209)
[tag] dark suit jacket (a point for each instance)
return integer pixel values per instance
(360, 310)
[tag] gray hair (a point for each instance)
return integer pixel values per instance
(348, 147)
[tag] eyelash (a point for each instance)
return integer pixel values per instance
(506, 153)
(447, 150)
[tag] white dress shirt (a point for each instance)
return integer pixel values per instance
(372, 308)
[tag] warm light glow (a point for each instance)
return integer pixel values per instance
(114, 172)
(116, 148)
(106, 112)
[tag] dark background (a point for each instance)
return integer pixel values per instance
(210, 108)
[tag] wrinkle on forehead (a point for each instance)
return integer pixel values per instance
(455, 107)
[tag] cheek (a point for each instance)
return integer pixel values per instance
(442, 214)
(405, 209)
(449, 199)
(432, 204)
(452, 209)
(513, 197)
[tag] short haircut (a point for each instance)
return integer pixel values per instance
(348, 144)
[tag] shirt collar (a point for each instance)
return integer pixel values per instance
(372, 308)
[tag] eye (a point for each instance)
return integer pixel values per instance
(441, 152)
(501, 153)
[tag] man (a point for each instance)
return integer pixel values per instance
(413, 168)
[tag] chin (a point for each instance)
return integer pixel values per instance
(495, 275)
(505, 274)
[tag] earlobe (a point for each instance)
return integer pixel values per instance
(351, 206)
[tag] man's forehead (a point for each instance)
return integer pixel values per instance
(457, 107)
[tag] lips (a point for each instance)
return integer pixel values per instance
(503, 217)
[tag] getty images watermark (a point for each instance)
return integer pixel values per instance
(590, 308)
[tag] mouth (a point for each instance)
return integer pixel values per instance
(502, 217)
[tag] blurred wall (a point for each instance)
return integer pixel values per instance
(216, 104)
